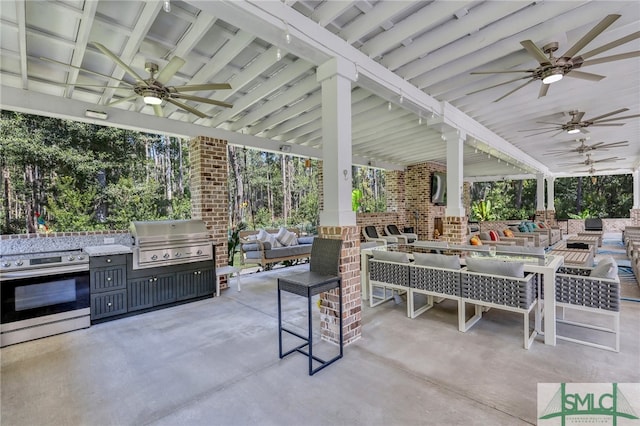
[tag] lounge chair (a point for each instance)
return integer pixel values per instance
(370, 233)
(403, 237)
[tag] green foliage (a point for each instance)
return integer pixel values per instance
(585, 214)
(356, 199)
(234, 240)
(482, 210)
(71, 209)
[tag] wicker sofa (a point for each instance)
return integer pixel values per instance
(266, 253)
(440, 276)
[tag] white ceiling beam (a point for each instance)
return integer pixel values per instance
(21, 21)
(330, 10)
(366, 23)
(308, 104)
(149, 11)
(82, 39)
(198, 29)
(294, 123)
(430, 16)
(295, 92)
(274, 84)
(479, 17)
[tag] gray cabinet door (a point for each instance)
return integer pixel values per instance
(108, 279)
(195, 283)
(140, 293)
(164, 289)
(108, 304)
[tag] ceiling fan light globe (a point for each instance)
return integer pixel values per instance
(152, 100)
(573, 131)
(552, 76)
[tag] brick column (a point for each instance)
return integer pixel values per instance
(351, 288)
(394, 188)
(454, 229)
(320, 186)
(551, 217)
(540, 215)
(635, 216)
(210, 191)
(466, 197)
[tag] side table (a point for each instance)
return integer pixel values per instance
(226, 270)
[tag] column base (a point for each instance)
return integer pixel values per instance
(454, 229)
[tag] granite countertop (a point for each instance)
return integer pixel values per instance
(108, 249)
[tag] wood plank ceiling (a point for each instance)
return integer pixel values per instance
(414, 61)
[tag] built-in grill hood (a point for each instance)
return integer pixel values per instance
(170, 242)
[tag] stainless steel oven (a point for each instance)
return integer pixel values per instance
(42, 294)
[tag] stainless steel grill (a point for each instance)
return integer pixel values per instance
(170, 242)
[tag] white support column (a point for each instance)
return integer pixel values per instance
(636, 189)
(540, 192)
(455, 156)
(550, 193)
(336, 76)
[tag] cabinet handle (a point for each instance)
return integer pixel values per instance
(109, 260)
(195, 272)
(199, 272)
(108, 278)
(109, 304)
(155, 279)
(150, 280)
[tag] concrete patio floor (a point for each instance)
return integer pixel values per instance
(215, 362)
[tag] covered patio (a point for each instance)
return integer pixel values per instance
(216, 362)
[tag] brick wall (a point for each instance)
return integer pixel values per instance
(351, 288)
(455, 230)
(635, 217)
(210, 191)
(418, 198)
(379, 220)
(395, 190)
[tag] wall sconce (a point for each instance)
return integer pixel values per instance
(285, 148)
(345, 172)
(594, 180)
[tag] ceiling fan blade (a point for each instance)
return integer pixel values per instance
(496, 85)
(595, 145)
(118, 61)
(584, 75)
(614, 145)
(170, 70)
(540, 133)
(618, 118)
(607, 160)
(85, 70)
(199, 87)
(535, 51)
(203, 100)
(544, 88)
(548, 122)
(611, 45)
(618, 111)
(102, 86)
(607, 124)
(125, 99)
(514, 90)
(542, 128)
(612, 58)
(588, 37)
(157, 109)
(500, 72)
(578, 117)
(187, 108)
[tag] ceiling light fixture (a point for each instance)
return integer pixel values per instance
(552, 75)
(96, 114)
(389, 106)
(401, 98)
(287, 35)
(572, 130)
(278, 54)
(150, 97)
(166, 6)
(356, 75)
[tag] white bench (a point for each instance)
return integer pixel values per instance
(226, 270)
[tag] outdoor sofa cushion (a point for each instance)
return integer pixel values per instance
(606, 268)
(436, 260)
(495, 267)
(391, 256)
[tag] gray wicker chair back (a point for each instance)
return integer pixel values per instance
(325, 256)
(371, 231)
(393, 230)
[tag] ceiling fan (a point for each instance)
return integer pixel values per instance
(153, 89)
(552, 69)
(576, 124)
(590, 162)
(583, 148)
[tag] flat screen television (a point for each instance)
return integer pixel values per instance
(439, 188)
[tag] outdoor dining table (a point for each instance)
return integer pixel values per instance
(545, 267)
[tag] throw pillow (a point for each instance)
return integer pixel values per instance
(495, 267)
(606, 268)
(484, 236)
(391, 256)
(437, 260)
(475, 241)
(523, 228)
(533, 225)
(494, 236)
(508, 233)
(289, 239)
(268, 239)
(281, 233)
(541, 225)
